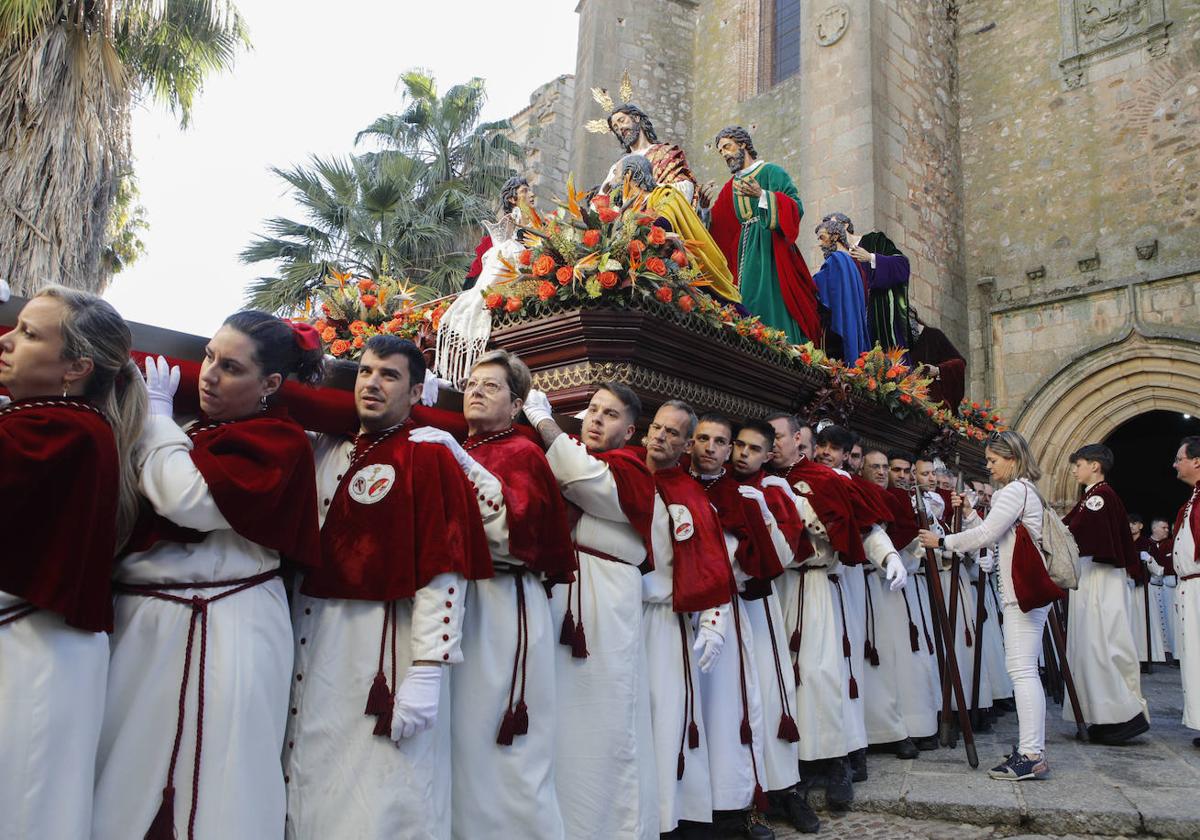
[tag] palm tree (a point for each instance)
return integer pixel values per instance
(70, 72)
(361, 216)
(407, 208)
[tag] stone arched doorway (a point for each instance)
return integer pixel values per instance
(1093, 395)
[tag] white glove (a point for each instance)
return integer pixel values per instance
(162, 381)
(537, 407)
(708, 644)
(416, 706)
(5, 292)
(896, 573)
(754, 493)
(428, 434)
(433, 383)
(781, 482)
(987, 562)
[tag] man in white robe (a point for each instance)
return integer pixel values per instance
(1185, 554)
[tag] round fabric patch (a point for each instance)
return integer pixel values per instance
(1094, 503)
(682, 526)
(370, 484)
(802, 488)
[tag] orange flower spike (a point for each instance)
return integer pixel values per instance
(572, 199)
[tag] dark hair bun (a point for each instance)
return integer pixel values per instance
(277, 348)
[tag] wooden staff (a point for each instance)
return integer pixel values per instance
(1149, 643)
(938, 607)
(951, 642)
(1056, 631)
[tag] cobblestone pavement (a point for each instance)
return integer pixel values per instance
(1148, 787)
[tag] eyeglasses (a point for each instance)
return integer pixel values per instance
(490, 387)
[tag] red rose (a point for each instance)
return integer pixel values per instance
(526, 257)
(512, 304)
(975, 406)
(607, 214)
(563, 275)
(543, 265)
(806, 358)
(494, 301)
(607, 279)
(369, 300)
(905, 398)
(657, 266)
(872, 384)
(679, 258)
(686, 303)
(861, 363)
(601, 200)
(657, 235)
(664, 294)
(635, 249)
(758, 332)
(545, 290)
(591, 238)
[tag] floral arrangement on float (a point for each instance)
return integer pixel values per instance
(882, 376)
(590, 251)
(978, 420)
(353, 309)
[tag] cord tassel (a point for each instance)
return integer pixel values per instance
(379, 698)
(693, 736)
(162, 827)
(747, 735)
(853, 689)
(566, 636)
(579, 644)
(507, 727)
(794, 641)
(788, 731)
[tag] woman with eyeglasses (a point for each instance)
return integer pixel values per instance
(202, 650)
(1014, 469)
(68, 500)
(503, 703)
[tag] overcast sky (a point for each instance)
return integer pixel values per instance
(318, 72)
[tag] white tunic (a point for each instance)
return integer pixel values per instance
(883, 684)
(1149, 594)
(52, 683)
(248, 665)
(342, 779)
(604, 764)
(501, 791)
(1187, 618)
(918, 691)
(675, 693)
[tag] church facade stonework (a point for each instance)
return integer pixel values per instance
(1036, 161)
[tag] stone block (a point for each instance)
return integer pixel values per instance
(1091, 808)
(963, 795)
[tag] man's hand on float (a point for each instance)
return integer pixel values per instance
(748, 492)
(780, 482)
(537, 407)
(708, 645)
(162, 381)
(415, 708)
(897, 575)
(429, 390)
(428, 434)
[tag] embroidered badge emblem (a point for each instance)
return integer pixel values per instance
(1094, 503)
(681, 522)
(370, 484)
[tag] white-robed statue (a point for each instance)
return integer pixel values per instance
(467, 324)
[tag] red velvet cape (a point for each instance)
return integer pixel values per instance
(1193, 523)
(635, 493)
(476, 268)
(755, 554)
(1161, 551)
(787, 518)
(829, 495)
(701, 577)
(539, 534)
(795, 280)
(260, 473)
(59, 478)
(1104, 534)
(903, 528)
(427, 524)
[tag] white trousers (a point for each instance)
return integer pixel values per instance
(1022, 645)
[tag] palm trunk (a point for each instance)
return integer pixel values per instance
(64, 143)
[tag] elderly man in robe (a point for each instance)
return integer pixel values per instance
(1185, 555)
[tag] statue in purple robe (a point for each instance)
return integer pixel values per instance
(887, 273)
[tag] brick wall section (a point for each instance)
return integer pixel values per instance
(1052, 176)
(545, 131)
(653, 40)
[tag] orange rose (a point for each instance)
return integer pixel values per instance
(601, 200)
(591, 238)
(543, 265)
(657, 266)
(679, 258)
(545, 290)
(635, 249)
(512, 304)
(369, 300)
(564, 275)
(358, 343)
(526, 257)
(339, 347)
(806, 358)
(494, 301)
(607, 279)
(664, 294)
(872, 384)
(607, 214)
(686, 303)
(358, 327)
(394, 325)
(328, 334)
(657, 235)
